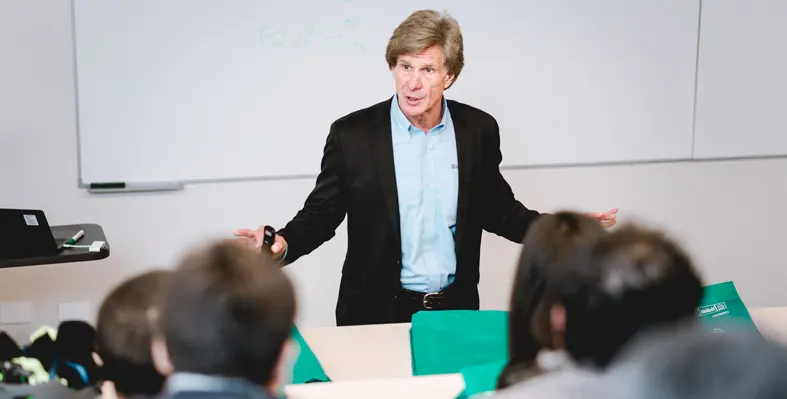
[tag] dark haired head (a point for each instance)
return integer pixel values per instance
(629, 281)
(550, 241)
(230, 314)
(124, 331)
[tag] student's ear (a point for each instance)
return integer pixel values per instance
(557, 318)
(160, 355)
(284, 366)
(557, 322)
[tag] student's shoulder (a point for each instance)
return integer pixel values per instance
(570, 383)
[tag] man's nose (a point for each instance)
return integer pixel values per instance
(414, 83)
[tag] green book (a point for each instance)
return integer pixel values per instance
(444, 342)
(721, 309)
(307, 366)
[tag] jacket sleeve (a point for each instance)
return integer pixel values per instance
(325, 207)
(504, 215)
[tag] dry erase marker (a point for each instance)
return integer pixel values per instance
(75, 238)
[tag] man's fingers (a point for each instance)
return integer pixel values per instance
(248, 233)
(255, 238)
(608, 216)
(279, 245)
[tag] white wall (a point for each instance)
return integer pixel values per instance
(728, 214)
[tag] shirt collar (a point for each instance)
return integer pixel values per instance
(192, 382)
(404, 125)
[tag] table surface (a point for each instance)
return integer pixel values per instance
(93, 232)
(386, 370)
(445, 386)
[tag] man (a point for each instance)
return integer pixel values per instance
(418, 178)
(225, 326)
(124, 333)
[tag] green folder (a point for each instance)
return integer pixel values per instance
(444, 342)
(412, 351)
(721, 308)
(481, 380)
(307, 366)
(475, 342)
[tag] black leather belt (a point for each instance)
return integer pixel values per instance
(429, 301)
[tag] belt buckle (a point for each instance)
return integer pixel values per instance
(426, 301)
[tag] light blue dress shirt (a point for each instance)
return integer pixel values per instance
(427, 180)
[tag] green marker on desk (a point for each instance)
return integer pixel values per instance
(75, 238)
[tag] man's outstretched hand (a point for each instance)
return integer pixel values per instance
(607, 219)
(255, 238)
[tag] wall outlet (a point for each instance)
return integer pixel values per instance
(16, 312)
(79, 310)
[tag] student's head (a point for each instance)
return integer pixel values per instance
(125, 329)
(629, 281)
(535, 322)
(229, 314)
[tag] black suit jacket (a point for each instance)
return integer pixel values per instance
(357, 179)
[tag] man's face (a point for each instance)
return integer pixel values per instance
(420, 81)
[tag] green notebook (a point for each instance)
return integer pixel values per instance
(444, 342)
(721, 308)
(307, 366)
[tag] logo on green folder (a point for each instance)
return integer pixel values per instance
(716, 309)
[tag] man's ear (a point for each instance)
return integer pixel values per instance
(448, 81)
(160, 355)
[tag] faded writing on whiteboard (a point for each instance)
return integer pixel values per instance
(342, 35)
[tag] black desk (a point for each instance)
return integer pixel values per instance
(93, 232)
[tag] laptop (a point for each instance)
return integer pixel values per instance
(25, 233)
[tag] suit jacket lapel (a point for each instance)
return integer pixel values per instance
(464, 150)
(381, 141)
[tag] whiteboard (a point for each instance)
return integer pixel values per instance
(742, 84)
(195, 90)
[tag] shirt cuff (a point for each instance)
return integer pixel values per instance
(285, 254)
